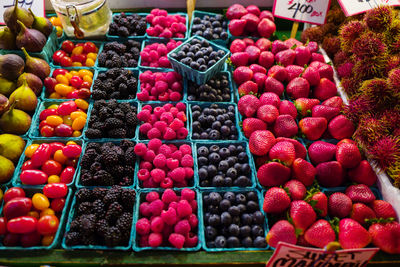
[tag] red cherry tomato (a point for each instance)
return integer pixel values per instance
(42, 124)
(84, 93)
(79, 58)
(41, 155)
(72, 151)
(27, 165)
(57, 204)
(73, 95)
(52, 167)
(86, 85)
(66, 62)
(56, 146)
(47, 225)
(67, 108)
(58, 55)
(22, 225)
(79, 44)
(67, 46)
(67, 175)
(3, 226)
(63, 130)
(55, 190)
(47, 112)
(76, 82)
(46, 131)
(71, 162)
(18, 206)
(30, 239)
(33, 177)
(59, 72)
(11, 240)
(50, 83)
(89, 47)
(13, 192)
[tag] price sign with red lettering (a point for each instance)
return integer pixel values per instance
(354, 7)
(288, 255)
(37, 7)
(310, 11)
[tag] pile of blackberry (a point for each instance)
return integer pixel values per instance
(214, 122)
(211, 28)
(111, 119)
(215, 90)
(120, 55)
(223, 166)
(103, 217)
(128, 25)
(233, 220)
(106, 164)
(115, 83)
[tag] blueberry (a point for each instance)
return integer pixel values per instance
(242, 208)
(202, 151)
(211, 233)
(210, 119)
(231, 161)
(221, 53)
(224, 205)
(197, 20)
(206, 200)
(194, 65)
(218, 181)
(245, 168)
(213, 209)
(196, 136)
(225, 131)
(201, 61)
(252, 206)
(214, 149)
(228, 182)
(204, 183)
(210, 244)
(211, 63)
(174, 55)
(214, 220)
(214, 158)
(234, 229)
(203, 174)
(237, 166)
(215, 198)
(247, 242)
(202, 68)
(216, 24)
(212, 170)
(224, 231)
(223, 165)
(246, 219)
(196, 114)
(242, 157)
(213, 54)
(228, 123)
(231, 172)
(226, 218)
(202, 161)
(233, 242)
(242, 181)
(236, 220)
(224, 152)
(240, 198)
(181, 54)
(229, 196)
(234, 211)
(215, 135)
(216, 125)
(257, 230)
(204, 135)
(215, 36)
(258, 218)
(260, 242)
(244, 230)
(220, 242)
(240, 149)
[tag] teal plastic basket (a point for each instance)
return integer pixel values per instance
(16, 181)
(141, 197)
(201, 14)
(133, 37)
(200, 77)
(148, 42)
(177, 39)
(56, 242)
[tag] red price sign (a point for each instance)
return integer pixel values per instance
(354, 7)
(310, 11)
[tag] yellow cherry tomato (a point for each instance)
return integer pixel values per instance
(71, 143)
(68, 76)
(54, 120)
(74, 73)
(47, 240)
(40, 201)
(77, 50)
(92, 56)
(76, 133)
(76, 64)
(78, 123)
(30, 150)
(47, 211)
(55, 21)
(82, 104)
(67, 120)
(33, 213)
(59, 31)
(87, 78)
(84, 72)
(55, 106)
(77, 114)
(53, 178)
(63, 89)
(55, 95)
(89, 62)
(62, 79)
(60, 157)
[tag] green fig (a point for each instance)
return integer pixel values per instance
(14, 13)
(7, 39)
(6, 86)
(34, 82)
(4, 104)
(37, 66)
(24, 98)
(11, 146)
(11, 66)
(42, 24)
(15, 121)
(32, 40)
(6, 169)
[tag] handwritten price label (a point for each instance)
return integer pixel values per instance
(310, 11)
(37, 6)
(354, 7)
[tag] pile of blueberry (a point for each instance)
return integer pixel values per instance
(233, 220)
(214, 122)
(128, 25)
(211, 28)
(198, 54)
(225, 165)
(215, 90)
(117, 55)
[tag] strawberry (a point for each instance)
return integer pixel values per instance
(324, 111)
(287, 107)
(270, 98)
(301, 151)
(248, 87)
(284, 152)
(321, 151)
(298, 88)
(325, 70)
(276, 200)
(236, 26)
(360, 193)
(278, 46)
(311, 75)
(285, 57)
(303, 55)
(240, 59)
(383, 209)
(252, 124)
(237, 45)
(386, 236)
(313, 46)
(302, 214)
(248, 105)
(273, 85)
(304, 105)
(317, 57)
(263, 43)
(303, 171)
(301, 241)
(285, 126)
(352, 234)
(242, 74)
(260, 142)
(363, 174)
(341, 127)
(325, 89)
(339, 205)
(334, 102)
(266, 59)
(313, 127)
(297, 190)
(346, 141)
(348, 155)
(294, 71)
(360, 212)
(330, 174)
(321, 203)
(273, 174)
(278, 72)
(292, 42)
(259, 78)
(320, 234)
(267, 113)
(281, 231)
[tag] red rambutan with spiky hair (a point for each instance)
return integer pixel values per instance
(340, 58)
(312, 34)
(350, 85)
(331, 45)
(368, 45)
(335, 15)
(370, 68)
(394, 81)
(393, 32)
(394, 173)
(329, 29)
(345, 70)
(386, 152)
(392, 63)
(359, 105)
(380, 18)
(370, 129)
(391, 118)
(349, 32)
(396, 132)
(378, 91)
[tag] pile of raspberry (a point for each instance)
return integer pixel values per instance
(161, 86)
(169, 221)
(164, 25)
(164, 165)
(163, 122)
(155, 55)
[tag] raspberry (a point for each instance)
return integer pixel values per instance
(144, 241)
(143, 96)
(151, 196)
(145, 128)
(193, 221)
(193, 204)
(156, 207)
(172, 163)
(182, 116)
(140, 149)
(165, 150)
(155, 240)
(174, 111)
(182, 133)
(185, 149)
(160, 125)
(158, 175)
(143, 226)
(156, 224)
(143, 174)
(163, 97)
(187, 161)
(167, 183)
(176, 124)
(167, 106)
(153, 119)
(191, 240)
(144, 115)
(145, 165)
(158, 111)
(182, 227)
(159, 161)
(161, 86)
(183, 209)
(173, 148)
(173, 205)
(149, 183)
(178, 174)
(149, 156)
(176, 240)
(189, 173)
(169, 134)
(169, 216)
(177, 155)
(175, 96)
(148, 107)
(167, 117)
(188, 194)
(154, 144)
(169, 196)
(144, 209)
(153, 133)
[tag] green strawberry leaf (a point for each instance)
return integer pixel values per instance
(313, 202)
(319, 211)
(286, 190)
(298, 232)
(335, 225)
(379, 220)
(229, 62)
(279, 64)
(294, 46)
(329, 63)
(308, 41)
(224, 12)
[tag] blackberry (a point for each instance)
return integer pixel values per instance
(111, 197)
(131, 25)
(115, 54)
(128, 199)
(99, 94)
(85, 208)
(95, 167)
(124, 222)
(94, 146)
(93, 133)
(131, 119)
(89, 239)
(75, 225)
(98, 208)
(117, 133)
(88, 223)
(129, 170)
(99, 193)
(125, 144)
(116, 170)
(114, 211)
(130, 156)
(103, 178)
(83, 195)
(72, 239)
(113, 237)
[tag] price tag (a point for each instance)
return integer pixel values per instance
(37, 7)
(354, 7)
(288, 255)
(310, 11)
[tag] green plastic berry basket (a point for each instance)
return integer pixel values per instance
(16, 181)
(133, 37)
(137, 216)
(193, 182)
(177, 39)
(234, 190)
(101, 48)
(78, 183)
(57, 238)
(149, 42)
(222, 144)
(71, 216)
(200, 77)
(201, 14)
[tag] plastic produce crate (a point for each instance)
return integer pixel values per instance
(177, 39)
(133, 37)
(149, 42)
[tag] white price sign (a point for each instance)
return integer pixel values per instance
(310, 11)
(354, 7)
(37, 7)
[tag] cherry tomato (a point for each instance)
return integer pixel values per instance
(57, 204)
(30, 150)
(72, 151)
(47, 211)
(13, 192)
(86, 85)
(60, 157)
(3, 226)
(57, 72)
(55, 190)
(40, 201)
(84, 93)
(67, 175)
(11, 240)
(56, 146)
(58, 55)
(79, 44)
(42, 124)
(33, 213)
(53, 179)
(67, 108)
(67, 46)
(47, 225)
(47, 112)
(47, 131)
(89, 47)
(33, 177)
(63, 130)
(41, 155)
(22, 225)
(50, 83)
(27, 165)
(47, 240)
(66, 62)
(72, 95)
(76, 82)
(81, 58)
(52, 167)
(71, 162)
(30, 239)
(18, 206)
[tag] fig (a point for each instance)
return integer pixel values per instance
(37, 66)
(15, 121)
(6, 86)
(12, 14)
(11, 66)
(32, 40)
(7, 39)
(42, 24)
(4, 104)
(34, 82)
(24, 98)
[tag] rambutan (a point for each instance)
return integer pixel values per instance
(394, 81)
(369, 68)
(370, 129)
(392, 63)
(331, 45)
(386, 152)
(335, 15)
(340, 58)
(350, 85)
(345, 69)
(349, 32)
(391, 118)
(312, 34)
(329, 29)
(396, 132)
(369, 44)
(378, 91)
(358, 106)
(380, 18)
(394, 173)
(393, 32)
